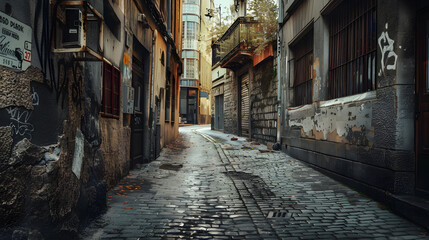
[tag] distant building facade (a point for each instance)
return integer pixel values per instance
(195, 83)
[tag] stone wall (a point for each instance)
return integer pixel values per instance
(50, 174)
(116, 155)
(263, 102)
(231, 104)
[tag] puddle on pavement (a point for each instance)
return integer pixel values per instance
(171, 166)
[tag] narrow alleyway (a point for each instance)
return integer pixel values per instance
(206, 186)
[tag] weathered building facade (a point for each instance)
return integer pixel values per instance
(353, 94)
(92, 91)
(244, 82)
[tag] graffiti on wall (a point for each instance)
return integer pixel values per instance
(388, 55)
(19, 121)
(69, 73)
(126, 73)
(35, 98)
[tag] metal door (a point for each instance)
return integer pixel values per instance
(219, 112)
(422, 101)
(192, 106)
(137, 118)
(244, 105)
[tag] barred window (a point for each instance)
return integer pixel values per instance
(303, 70)
(111, 90)
(352, 48)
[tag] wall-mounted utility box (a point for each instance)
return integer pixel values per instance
(72, 34)
(78, 29)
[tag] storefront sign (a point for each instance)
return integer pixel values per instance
(15, 43)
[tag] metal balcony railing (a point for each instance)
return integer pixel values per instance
(242, 37)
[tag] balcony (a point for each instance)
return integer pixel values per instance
(236, 46)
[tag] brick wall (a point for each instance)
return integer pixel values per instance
(264, 103)
(231, 104)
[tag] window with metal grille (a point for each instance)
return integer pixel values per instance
(111, 90)
(352, 48)
(303, 70)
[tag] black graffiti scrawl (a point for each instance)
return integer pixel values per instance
(69, 73)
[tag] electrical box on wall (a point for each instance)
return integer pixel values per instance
(128, 99)
(72, 34)
(78, 29)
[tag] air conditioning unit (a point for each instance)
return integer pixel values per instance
(73, 31)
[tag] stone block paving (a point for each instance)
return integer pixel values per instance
(206, 186)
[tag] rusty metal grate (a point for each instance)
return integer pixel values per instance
(279, 214)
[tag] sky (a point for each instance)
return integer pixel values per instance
(224, 4)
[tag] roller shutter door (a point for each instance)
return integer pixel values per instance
(245, 108)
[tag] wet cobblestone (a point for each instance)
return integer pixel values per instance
(213, 188)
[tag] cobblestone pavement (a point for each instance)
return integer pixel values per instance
(206, 186)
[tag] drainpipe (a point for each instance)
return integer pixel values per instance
(154, 36)
(152, 108)
(279, 50)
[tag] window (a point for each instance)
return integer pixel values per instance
(112, 21)
(191, 30)
(189, 8)
(352, 48)
(303, 70)
(191, 68)
(111, 90)
(188, 83)
(190, 54)
(192, 1)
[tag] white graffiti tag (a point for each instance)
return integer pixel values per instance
(19, 122)
(35, 98)
(386, 47)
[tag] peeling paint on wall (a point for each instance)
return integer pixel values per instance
(351, 123)
(317, 86)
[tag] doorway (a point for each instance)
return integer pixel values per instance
(189, 105)
(137, 119)
(422, 103)
(218, 124)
